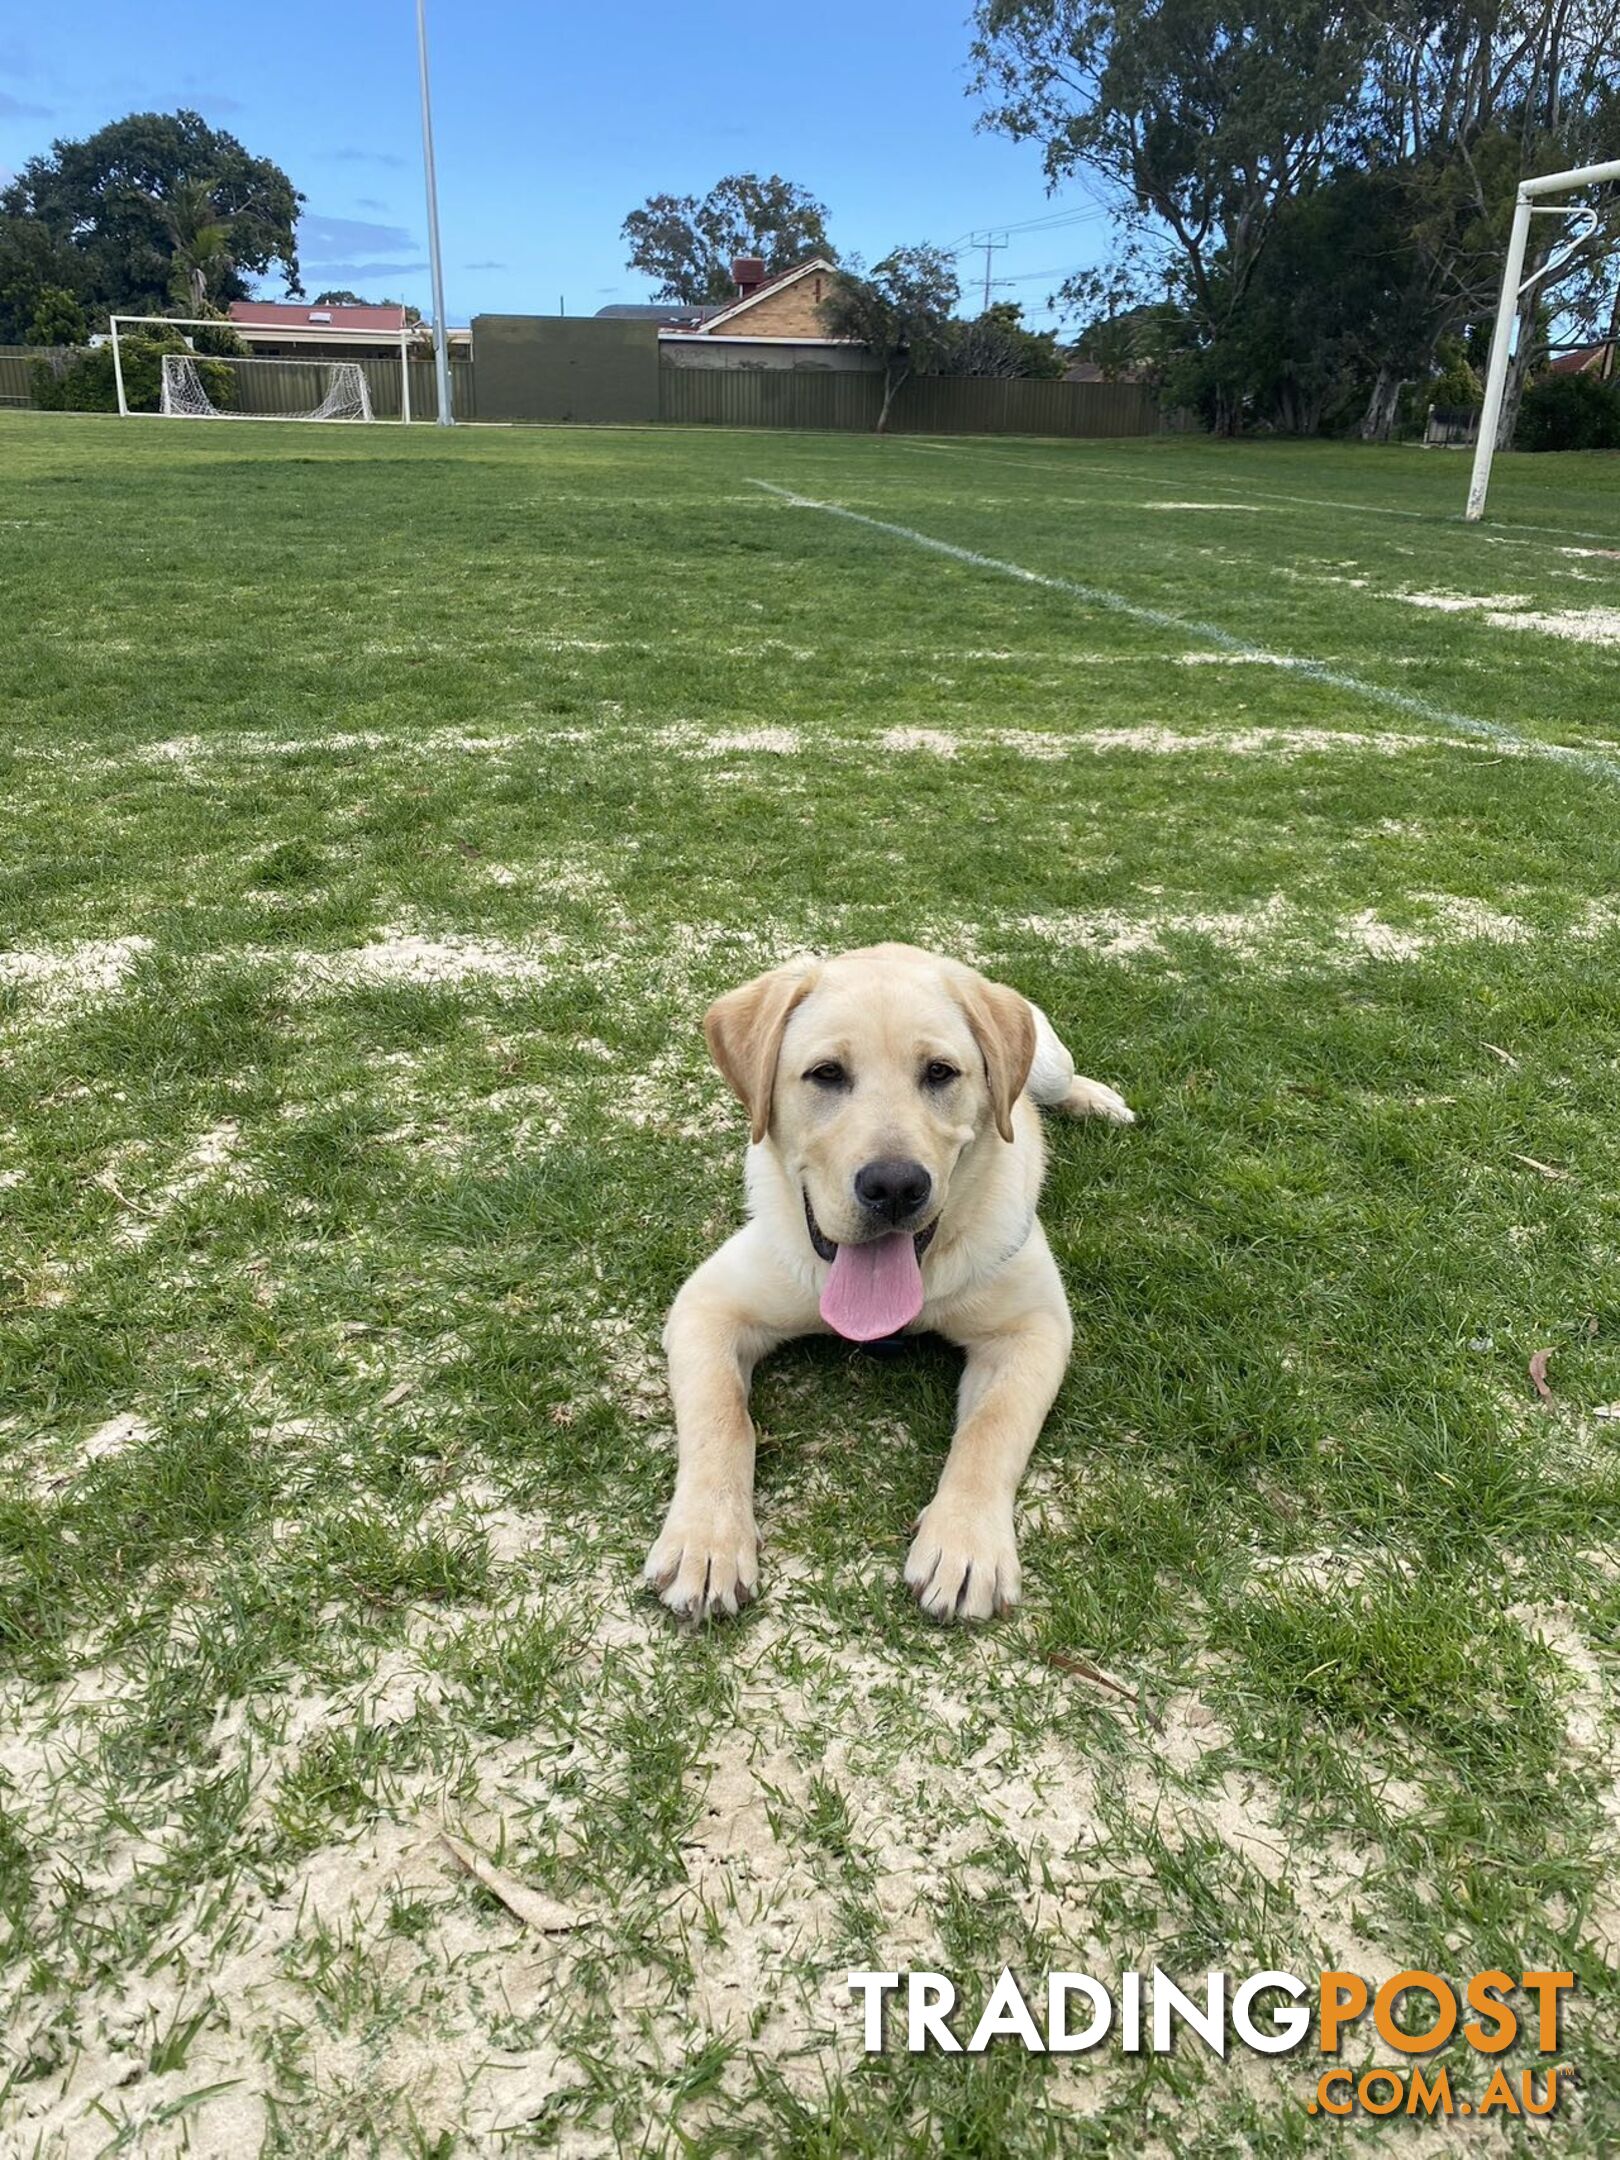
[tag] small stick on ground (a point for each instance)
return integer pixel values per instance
(108, 1183)
(541, 1913)
(1082, 1669)
(1545, 1169)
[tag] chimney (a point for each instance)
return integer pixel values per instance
(749, 273)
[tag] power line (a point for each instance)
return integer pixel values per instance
(964, 241)
(1028, 277)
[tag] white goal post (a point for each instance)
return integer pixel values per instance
(1514, 286)
(341, 391)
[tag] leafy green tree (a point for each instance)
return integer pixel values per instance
(33, 262)
(201, 243)
(220, 340)
(1140, 340)
(1000, 343)
(1200, 117)
(58, 319)
(156, 200)
(1463, 101)
(1569, 412)
(687, 245)
(1328, 305)
(900, 311)
(1456, 382)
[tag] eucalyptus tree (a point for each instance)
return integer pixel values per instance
(1198, 119)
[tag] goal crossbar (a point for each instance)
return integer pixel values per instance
(1514, 285)
(332, 334)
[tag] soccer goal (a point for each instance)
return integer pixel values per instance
(1514, 287)
(200, 385)
(184, 394)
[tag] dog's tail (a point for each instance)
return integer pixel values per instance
(1055, 1085)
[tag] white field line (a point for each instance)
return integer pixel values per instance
(1444, 518)
(1116, 604)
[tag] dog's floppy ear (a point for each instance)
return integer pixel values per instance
(1004, 1029)
(744, 1033)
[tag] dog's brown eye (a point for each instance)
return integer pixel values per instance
(937, 1073)
(828, 1074)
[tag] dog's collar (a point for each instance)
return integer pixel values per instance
(1018, 1244)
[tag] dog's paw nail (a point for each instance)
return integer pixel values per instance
(962, 1566)
(705, 1567)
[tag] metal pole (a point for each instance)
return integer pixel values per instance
(1507, 310)
(441, 343)
(404, 381)
(1559, 183)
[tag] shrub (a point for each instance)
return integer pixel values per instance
(1569, 412)
(221, 339)
(86, 382)
(58, 318)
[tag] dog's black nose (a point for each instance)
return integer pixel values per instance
(895, 1189)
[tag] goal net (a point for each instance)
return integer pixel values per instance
(266, 389)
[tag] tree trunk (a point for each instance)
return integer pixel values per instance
(891, 383)
(1378, 421)
(1526, 352)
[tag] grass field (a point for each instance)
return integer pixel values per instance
(379, 816)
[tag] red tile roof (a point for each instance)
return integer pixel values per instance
(299, 315)
(1582, 360)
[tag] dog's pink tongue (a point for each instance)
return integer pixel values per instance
(874, 1289)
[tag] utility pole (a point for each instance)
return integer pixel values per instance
(441, 336)
(990, 242)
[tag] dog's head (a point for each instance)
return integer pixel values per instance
(874, 1073)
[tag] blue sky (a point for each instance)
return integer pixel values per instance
(552, 124)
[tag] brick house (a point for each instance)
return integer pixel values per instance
(1598, 360)
(785, 306)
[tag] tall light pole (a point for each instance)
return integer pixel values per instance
(441, 342)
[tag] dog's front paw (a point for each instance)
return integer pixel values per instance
(1094, 1098)
(963, 1563)
(706, 1559)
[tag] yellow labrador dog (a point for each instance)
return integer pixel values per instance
(895, 1166)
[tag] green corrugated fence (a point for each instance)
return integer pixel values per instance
(926, 405)
(768, 398)
(713, 397)
(16, 386)
(269, 387)
(982, 405)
